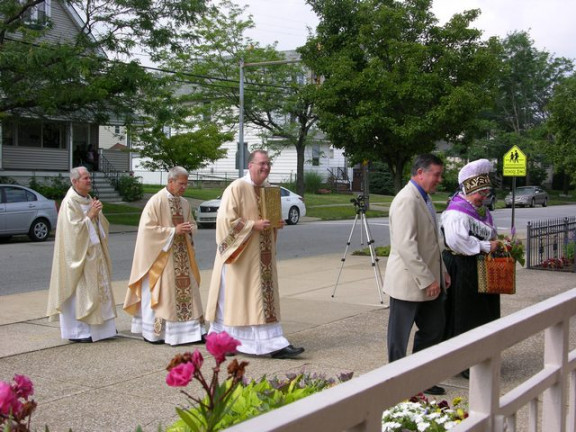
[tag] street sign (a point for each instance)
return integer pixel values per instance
(515, 162)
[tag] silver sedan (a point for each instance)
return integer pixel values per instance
(25, 211)
(528, 196)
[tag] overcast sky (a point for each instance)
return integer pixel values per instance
(550, 23)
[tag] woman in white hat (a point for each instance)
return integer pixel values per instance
(468, 231)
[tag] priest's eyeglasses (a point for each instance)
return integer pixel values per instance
(263, 164)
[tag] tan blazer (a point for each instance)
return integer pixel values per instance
(415, 259)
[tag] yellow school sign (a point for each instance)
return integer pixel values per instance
(515, 163)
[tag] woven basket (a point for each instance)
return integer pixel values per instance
(496, 275)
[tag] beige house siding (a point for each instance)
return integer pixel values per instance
(16, 156)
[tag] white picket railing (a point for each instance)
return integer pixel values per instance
(357, 405)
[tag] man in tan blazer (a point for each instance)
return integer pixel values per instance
(415, 277)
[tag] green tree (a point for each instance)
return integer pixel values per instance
(191, 150)
(394, 81)
(278, 95)
(562, 126)
(91, 74)
(525, 85)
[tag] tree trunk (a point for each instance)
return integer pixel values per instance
(300, 148)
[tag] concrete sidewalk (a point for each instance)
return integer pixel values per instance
(118, 384)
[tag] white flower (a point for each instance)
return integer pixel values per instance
(423, 426)
(390, 426)
(419, 416)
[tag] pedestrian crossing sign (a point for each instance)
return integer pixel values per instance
(515, 162)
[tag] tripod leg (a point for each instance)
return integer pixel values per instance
(375, 260)
(343, 259)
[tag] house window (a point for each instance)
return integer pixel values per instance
(316, 155)
(206, 111)
(30, 134)
(33, 133)
(117, 130)
(301, 79)
(8, 133)
(38, 15)
(54, 135)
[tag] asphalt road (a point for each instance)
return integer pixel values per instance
(25, 265)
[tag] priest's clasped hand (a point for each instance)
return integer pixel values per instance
(184, 228)
(95, 208)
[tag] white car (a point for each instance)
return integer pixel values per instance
(293, 208)
(25, 211)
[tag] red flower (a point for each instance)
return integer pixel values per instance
(180, 375)
(197, 359)
(220, 344)
(23, 387)
(9, 403)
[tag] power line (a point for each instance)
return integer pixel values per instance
(199, 81)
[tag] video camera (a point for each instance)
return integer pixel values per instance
(359, 202)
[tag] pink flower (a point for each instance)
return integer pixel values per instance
(220, 344)
(197, 359)
(9, 403)
(181, 375)
(23, 387)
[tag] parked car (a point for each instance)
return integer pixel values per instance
(489, 201)
(528, 196)
(293, 208)
(25, 211)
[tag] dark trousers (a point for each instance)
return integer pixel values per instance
(429, 317)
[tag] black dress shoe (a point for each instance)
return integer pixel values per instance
(289, 352)
(435, 391)
(465, 374)
(158, 342)
(82, 340)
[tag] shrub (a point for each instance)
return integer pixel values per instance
(289, 185)
(312, 182)
(56, 188)
(130, 188)
(381, 179)
(7, 180)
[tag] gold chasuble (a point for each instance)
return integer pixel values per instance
(251, 285)
(170, 266)
(81, 264)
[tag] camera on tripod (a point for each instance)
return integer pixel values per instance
(359, 202)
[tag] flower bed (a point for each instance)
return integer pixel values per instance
(420, 414)
(235, 400)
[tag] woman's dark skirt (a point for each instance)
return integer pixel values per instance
(465, 307)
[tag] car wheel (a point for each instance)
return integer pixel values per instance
(533, 202)
(293, 216)
(545, 202)
(39, 230)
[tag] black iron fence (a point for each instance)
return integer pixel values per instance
(551, 244)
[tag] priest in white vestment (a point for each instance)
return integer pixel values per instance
(80, 287)
(243, 299)
(163, 291)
